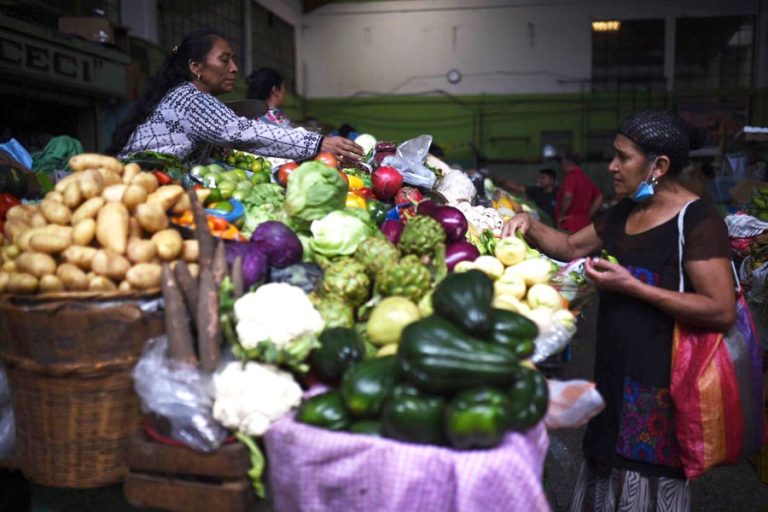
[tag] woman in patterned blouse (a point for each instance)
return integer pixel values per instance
(267, 84)
(180, 115)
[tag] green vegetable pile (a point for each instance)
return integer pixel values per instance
(456, 379)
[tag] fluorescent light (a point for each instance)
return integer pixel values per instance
(606, 26)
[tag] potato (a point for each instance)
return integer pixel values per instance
(80, 256)
(110, 177)
(112, 227)
(114, 193)
(101, 284)
(110, 264)
(72, 277)
(168, 242)
(87, 210)
(72, 196)
(56, 213)
(19, 282)
(134, 195)
(36, 263)
(90, 275)
(10, 266)
(38, 220)
(134, 229)
(48, 243)
(85, 161)
(55, 195)
(91, 184)
(166, 196)
(151, 217)
(141, 251)
(22, 240)
(18, 212)
(182, 204)
(190, 250)
(144, 275)
(4, 277)
(83, 232)
(129, 171)
(14, 227)
(146, 180)
(11, 252)
(50, 283)
(61, 231)
(194, 269)
(124, 286)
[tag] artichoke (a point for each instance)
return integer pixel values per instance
(346, 279)
(421, 235)
(335, 312)
(375, 253)
(408, 278)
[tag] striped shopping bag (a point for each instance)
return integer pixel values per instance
(716, 389)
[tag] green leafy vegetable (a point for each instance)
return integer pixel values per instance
(257, 463)
(340, 232)
(314, 190)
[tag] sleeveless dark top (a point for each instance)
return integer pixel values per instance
(634, 340)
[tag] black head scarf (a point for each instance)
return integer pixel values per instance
(660, 132)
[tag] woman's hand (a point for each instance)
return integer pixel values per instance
(521, 221)
(343, 148)
(609, 276)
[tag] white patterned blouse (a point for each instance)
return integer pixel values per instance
(187, 123)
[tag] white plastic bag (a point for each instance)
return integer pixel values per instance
(180, 394)
(409, 160)
(572, 403)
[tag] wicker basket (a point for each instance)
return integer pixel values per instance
(69, 364)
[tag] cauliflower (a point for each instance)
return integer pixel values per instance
(276, 312)
(249, 398)
(456, 186)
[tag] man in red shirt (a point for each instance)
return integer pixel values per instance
(578, 198)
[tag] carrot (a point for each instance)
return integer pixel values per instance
(202, 232)
(180, 343)
(188, 285)
(208, 326)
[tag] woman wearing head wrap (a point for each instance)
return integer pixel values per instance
(180, 113)
(631, 455)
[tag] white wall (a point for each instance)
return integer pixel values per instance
(499, 46)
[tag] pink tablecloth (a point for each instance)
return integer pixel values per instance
(312, 470)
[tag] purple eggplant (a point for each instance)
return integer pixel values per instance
(460, 251)
(392, 229)
(453, 221)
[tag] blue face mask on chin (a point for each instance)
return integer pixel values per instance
(645, 189)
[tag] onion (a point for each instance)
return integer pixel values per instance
(453, 221)
(427, 207)
(460, 251)
(392, 229)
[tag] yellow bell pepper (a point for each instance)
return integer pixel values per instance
(355, 201)
(355, 182)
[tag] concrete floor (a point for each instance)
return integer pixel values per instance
(726, 489)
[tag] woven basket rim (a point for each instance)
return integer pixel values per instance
(93, 296)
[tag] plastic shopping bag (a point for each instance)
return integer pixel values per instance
(409, 160)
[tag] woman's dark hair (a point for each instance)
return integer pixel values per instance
(261, 82)
(174, 71)
(658, 132)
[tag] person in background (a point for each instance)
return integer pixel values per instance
(267, 84)
(578, 198)
(631, 456)
(543, 193)
(180, 113)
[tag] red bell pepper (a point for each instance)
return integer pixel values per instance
(162, 178)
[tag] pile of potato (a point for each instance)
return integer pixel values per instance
(104, 228)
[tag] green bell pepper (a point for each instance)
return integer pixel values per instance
(412, 416)
(529, 396)
(377, 211)
(367, 384)
(477, 418)
(325, 410)
(367, 427)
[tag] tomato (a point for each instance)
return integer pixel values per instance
(162, 178)
(284, 171)
(328, 159)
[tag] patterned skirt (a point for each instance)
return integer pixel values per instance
(602, 488)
